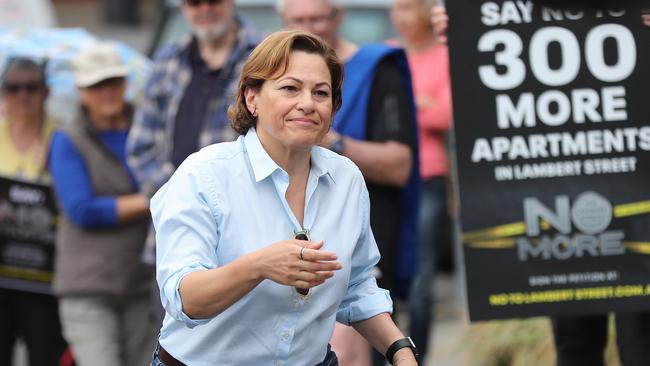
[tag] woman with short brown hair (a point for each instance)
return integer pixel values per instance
(264, 242)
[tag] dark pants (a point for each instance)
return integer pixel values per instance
(330, 358)
(581, 340)
(157, 310)
(431, 226)
(35, 319)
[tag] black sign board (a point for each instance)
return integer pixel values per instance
(27, 232)
(552, 136)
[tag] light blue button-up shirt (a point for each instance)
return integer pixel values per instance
(228, 200)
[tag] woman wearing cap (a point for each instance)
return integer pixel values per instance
(101, 284)
(264, 242)
(25, 133)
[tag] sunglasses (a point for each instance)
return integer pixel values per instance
(199, 2)
(15, 88)
(302, 235)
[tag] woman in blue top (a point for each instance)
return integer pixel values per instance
(102, 286)
(264, 242)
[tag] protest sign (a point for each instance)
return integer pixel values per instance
(552, 136)
(27, 232)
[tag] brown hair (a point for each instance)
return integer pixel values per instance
(269, 60)
(24, 63)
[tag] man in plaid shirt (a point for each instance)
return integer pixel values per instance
(187, 97)
(186, 100)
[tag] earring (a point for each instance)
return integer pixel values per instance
(254, 112)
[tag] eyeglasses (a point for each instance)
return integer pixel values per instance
(15, 88)
(317, 20)
(194, 3)
(302, 235)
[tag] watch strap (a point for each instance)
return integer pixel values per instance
(398, 345)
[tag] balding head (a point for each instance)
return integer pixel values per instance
(321, 17)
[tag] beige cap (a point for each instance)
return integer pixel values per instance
(97, 63)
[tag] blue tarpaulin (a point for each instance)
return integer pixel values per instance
(56, 47)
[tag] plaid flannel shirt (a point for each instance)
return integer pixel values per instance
(151, 138)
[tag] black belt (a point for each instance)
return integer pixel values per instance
(166, 358)
(169, 360)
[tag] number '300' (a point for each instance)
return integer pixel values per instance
(515, 69)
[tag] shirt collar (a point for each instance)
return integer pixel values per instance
(319, 164)
(194, 55)
(249, 36)
(263, 166)
(247, 39)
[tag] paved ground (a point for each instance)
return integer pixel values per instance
(450, 323)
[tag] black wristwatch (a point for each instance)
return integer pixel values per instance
(398, 345)
(337, 145)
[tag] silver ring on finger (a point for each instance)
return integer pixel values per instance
(301, 257)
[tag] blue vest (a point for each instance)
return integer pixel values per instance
(351, 121)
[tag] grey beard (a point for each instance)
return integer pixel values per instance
(213, 34)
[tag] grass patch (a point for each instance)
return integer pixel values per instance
(517, 342)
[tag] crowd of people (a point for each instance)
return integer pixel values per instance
(244, 202)
(268, 200)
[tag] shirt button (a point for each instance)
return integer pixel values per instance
(285, 336)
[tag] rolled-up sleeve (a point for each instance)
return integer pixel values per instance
(364, 299)
(185, 218)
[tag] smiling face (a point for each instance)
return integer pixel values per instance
(294, 111)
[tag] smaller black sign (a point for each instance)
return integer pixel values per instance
(27, 233)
